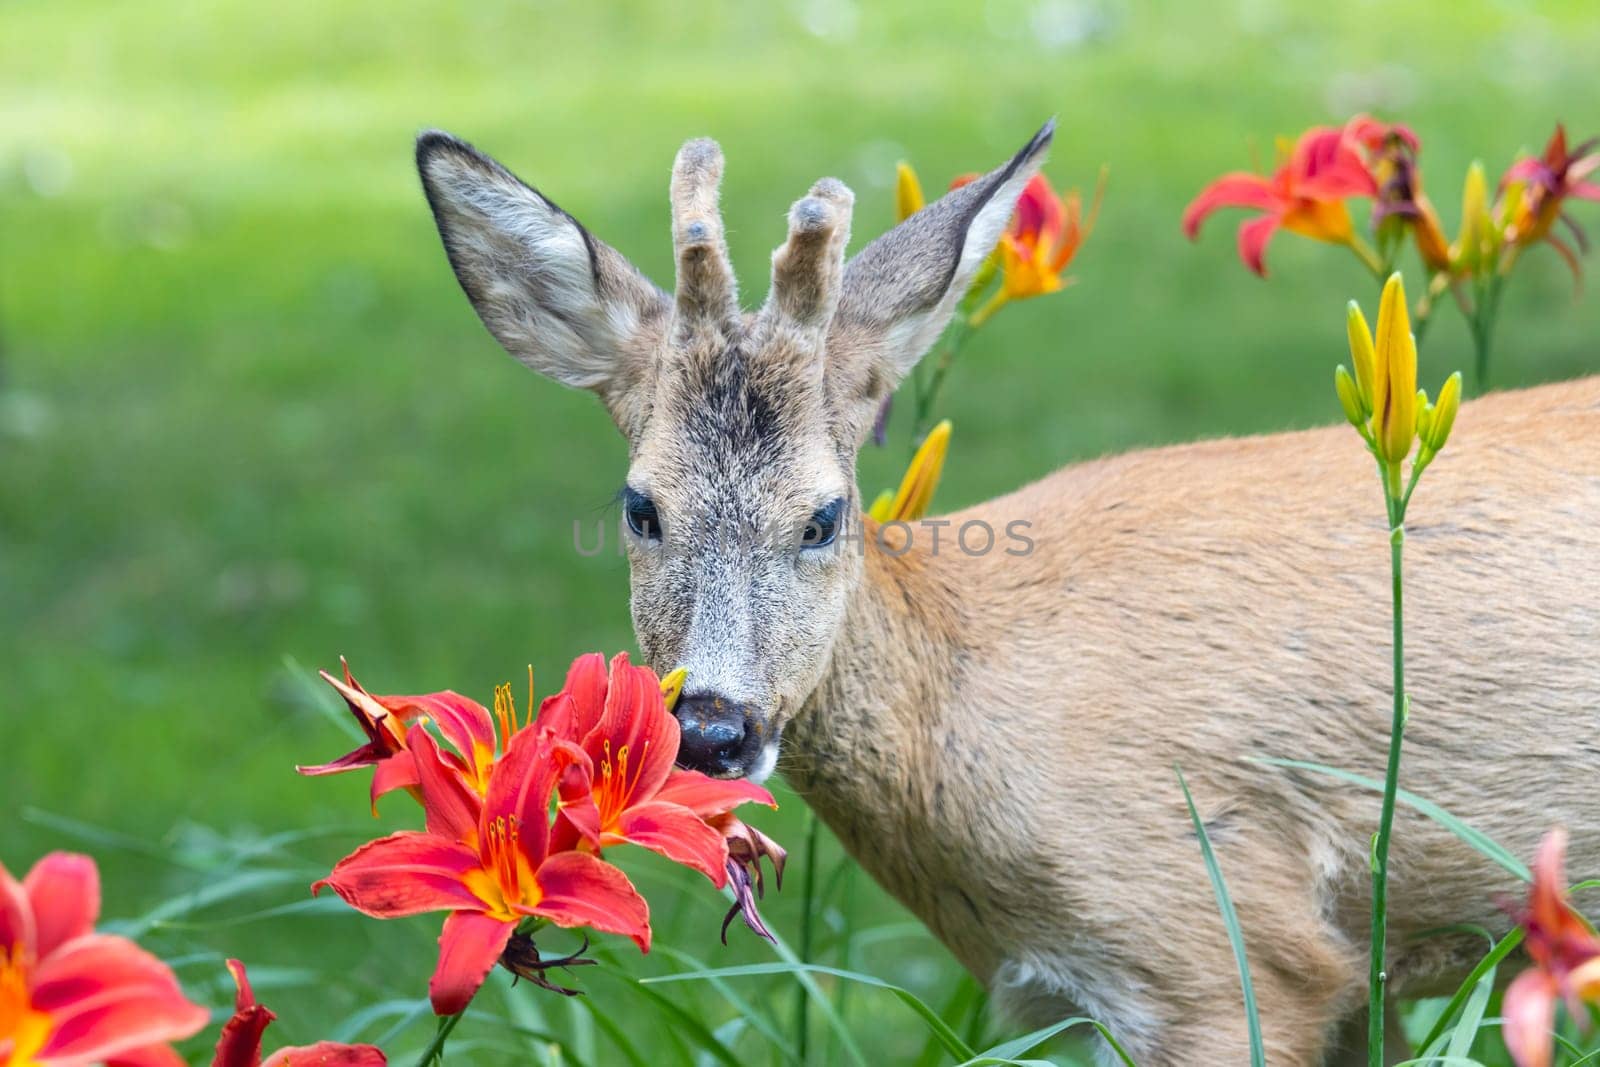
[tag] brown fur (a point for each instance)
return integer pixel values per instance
(994, 736)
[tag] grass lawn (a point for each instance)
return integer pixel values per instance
(248, 422)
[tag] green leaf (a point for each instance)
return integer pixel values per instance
(947, 1037)
(756, 1019)
(1230, 918)
(687, 1023)
(1476, 838)
(1485, 966)
(1466, 1031)
(1008, 1051)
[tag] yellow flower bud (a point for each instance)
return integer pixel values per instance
(1349, 398)
(915, 494)
(1394, 380)
(1424, 416)
(1444, 414)
(1361, 356)
(1478, 238)
(672, 685)
(907, 193)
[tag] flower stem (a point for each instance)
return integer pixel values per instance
(802, 1002)
(947, 355)
(1378, 976)
(1365, 253)
(434, 1053)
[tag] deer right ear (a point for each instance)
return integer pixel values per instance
(560, 301)
(900, 291)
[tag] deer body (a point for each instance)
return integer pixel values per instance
(1199, 606)
(993, 736)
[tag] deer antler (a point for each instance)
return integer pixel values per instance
(707, 292)
(807, 269)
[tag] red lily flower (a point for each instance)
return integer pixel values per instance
(626, 789)
(240, 1044)
(385, 720)
(488, 861)
(1547, 182)
(1566, 960)
(70, 996)
(1306, 195)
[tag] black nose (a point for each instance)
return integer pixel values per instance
(715, 734)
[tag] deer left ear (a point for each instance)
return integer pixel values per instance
(558, 299)
(900, 291)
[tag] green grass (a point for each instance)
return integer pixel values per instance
(248, 423)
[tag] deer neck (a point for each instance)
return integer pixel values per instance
(863, 749)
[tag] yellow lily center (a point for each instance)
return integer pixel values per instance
(23, 1030)
(614, 787)
(505, 882)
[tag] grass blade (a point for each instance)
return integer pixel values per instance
(756, 1020)
(1008, 1051)
(947, 1037)
(1475, 838)
(1230, 918)
(687, 1023)
(1507, 945)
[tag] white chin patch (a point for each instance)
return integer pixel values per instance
(765, 764)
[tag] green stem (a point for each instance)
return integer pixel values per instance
(1365, 253)
(1378, 976)
(802, 1002)
(434, 1053)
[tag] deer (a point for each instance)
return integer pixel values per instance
(993, 735)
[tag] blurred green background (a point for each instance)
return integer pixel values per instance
(248, 422)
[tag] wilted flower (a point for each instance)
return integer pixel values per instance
(1305, 195)
(1534, 192)
(240, 1045)
(387, 719)
(521, 957)
(1566, 960)
(70, 997)
(911, 501)
(488, 861)
(747, 847)
(627, 789)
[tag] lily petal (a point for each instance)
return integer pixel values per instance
(1529, 1014)
(327, 1054)
(636, 720)
(578, 889)
(1238, 189)
(1253, 238)
(407, 873)
(106, 996)
(452, 807)
(469, 945)
(16, 915)
(64, 889)
(678, 834)
(162, 1055)
(240, 1042)
(706, 796)
(586, 685)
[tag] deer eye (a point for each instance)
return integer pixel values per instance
(823, 526)
(641, 512)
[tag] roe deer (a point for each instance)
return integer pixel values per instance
(992, 735)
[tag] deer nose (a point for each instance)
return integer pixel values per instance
(714, 730)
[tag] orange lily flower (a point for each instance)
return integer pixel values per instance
(386, 719)
(1566, 960)
(1305, 195)
(240, 1044)
(489, 861)
(627, 789)
(1546, 183)
(1044, 237)
(70, 997)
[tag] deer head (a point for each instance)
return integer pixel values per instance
(742, 427)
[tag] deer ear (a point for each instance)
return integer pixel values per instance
(900, 291)
(560, 301)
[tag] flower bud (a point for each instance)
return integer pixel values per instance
(907, 193)
(672, 686)
(1444, 413)
(1394, 397)
(1361, 355)
(1349, 397)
